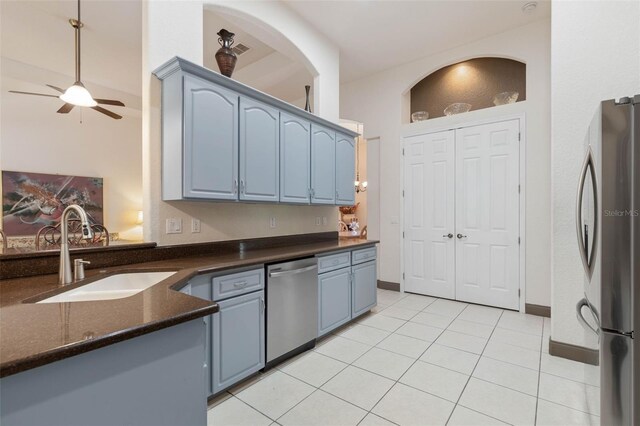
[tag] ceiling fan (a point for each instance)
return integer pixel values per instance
(77, 94)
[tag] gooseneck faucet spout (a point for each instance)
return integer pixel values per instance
(65, 276)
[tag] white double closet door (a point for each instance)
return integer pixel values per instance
(461, 214)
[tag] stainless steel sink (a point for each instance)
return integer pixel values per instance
(116, 286)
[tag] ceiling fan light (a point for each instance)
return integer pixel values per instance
(78, 95)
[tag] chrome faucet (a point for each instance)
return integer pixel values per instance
(64, 275)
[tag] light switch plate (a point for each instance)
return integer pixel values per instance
(195, 225)
(272, 222)
(318, 221)
(324, 221)
(174, 225)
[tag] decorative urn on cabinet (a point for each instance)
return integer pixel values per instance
(225, 57)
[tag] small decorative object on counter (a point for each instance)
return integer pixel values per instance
(307, 105)
(419, 116)
(354, 226)
(225, 57)
(457, 108)
(504, 98)
(348, 209)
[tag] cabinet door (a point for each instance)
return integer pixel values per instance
(238, 339)
(259, 151)
(334, 298)
(200, 286)
(295, 159)
(345, 170)
(323, 165)
(364, 284)
(210, 165)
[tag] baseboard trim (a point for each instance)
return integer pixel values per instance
(574, 352)
(539, 310)
(388, 285)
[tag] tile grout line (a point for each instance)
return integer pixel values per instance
(472, 371)
(414, 362)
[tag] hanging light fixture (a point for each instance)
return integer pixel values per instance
(360, 186)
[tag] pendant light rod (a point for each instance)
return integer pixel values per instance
(77, 24)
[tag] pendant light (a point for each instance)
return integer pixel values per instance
(360, 186)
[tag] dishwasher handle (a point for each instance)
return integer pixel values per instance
(292, 272)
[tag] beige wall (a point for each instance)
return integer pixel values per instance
(34, 138)
(173, 28)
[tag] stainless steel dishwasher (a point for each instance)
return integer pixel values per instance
(292, 308)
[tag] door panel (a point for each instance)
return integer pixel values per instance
(334, 298)
(429, 214)
(364, 288)
(259, 151)
(345, 170)
(323, 165)
(238, 339)
(211, 141)
(487, 214)
(295, 159)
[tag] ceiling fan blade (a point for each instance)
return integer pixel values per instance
(31, 93)
(56, 88)
(64, 109)
(107, 112)
(109, 102)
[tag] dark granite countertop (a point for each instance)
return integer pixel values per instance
(32, 334)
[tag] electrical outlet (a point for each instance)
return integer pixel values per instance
(174, 225)
(195, 225)
(272, 222)
(324, 221)
(318, 221)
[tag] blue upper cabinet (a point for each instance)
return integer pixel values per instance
(345, 170)
(259, 151)
(323, 165)
(223, 140)
(295, 159)
(210, 141)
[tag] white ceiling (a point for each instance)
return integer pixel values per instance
(38, 33)
(372, 35)
(377, 35)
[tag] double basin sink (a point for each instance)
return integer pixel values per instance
(117, 286)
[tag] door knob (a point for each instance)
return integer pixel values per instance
(461, 236)
(449, 235)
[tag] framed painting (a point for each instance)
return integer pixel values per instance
(33, 200)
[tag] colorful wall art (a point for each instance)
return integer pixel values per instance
(33, 200)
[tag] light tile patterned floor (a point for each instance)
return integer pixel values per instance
(417, 360)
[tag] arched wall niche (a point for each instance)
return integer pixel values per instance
(475, 81)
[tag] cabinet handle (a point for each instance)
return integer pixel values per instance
(337, 195)
(264, 307)
(240, 284)
(449, 235)
(460, 236)
(235, 186)
(242, 186)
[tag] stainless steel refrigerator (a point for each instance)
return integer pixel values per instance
(608, 229)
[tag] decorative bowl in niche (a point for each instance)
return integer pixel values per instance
(419, 116)
(457, 108)
(504, 98)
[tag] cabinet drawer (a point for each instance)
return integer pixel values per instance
(363, 255)
(236, 284)
(333, 262)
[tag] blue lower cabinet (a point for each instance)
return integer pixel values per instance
(364, 295)
(334, 298)
(200, 286)
(238, 336)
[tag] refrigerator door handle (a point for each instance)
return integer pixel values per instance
(581, 304)
(588, 166)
